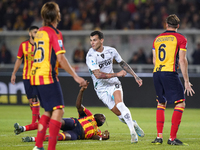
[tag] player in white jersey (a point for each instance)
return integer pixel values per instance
(99, 60)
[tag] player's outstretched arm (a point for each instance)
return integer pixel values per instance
(128, 69)
(16, 67)
(79, 99)
(184, 69)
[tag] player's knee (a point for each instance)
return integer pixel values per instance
(40, 127)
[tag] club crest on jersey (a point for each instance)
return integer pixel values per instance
(60, 43)
(102, 55)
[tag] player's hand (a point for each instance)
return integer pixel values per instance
(188, 89)
(12, 80)
(83, 88)
(81, 81)
(122, 73)
(105, 135)
(139, 81)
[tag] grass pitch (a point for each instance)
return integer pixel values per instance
(189, 130)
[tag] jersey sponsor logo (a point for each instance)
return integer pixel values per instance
(30, 56)
(102, 55)
(34, 71)
(105, 63)
(60, 43)
(160, 67)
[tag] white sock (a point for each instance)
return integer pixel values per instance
(33, 139)
(121, 119)
(125, 113)
(24, 128)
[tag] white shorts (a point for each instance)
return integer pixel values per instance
(106, 95)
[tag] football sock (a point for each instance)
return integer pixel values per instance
(61, 137)
(126, 116)
(44, 120)
(54, 127)
(35, 111)
(176, 120)
(121, 119)
(160, 119)
(32, 126)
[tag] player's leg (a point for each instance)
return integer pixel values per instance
(54, 127)
(42, 127)
(35, 109)
(160, 112)
(125, 113)
(43, 91)
(33, 101)
(175, 95)
(19, 129)
(57, 105)
(160, 119)
(176, 120)
(64, 136)
(67, 124)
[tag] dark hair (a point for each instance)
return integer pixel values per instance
(172, 21)
(33, 27)
(49, 13)
(100, 34)
(98, 119)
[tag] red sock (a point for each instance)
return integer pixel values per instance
(35, 111)
(160, 119)
(54, 127)
(176, 120)
(44, 120)
(61, 137)
(32, 126)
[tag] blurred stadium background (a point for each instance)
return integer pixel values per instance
(128, 25)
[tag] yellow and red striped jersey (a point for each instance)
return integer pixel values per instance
(25, 51)
(167, 46)
(89, 124)
(48, 43)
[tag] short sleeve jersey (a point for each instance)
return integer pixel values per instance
(87, 121)
(167, 46)
(25, 51)
(48, 43)
(103, 61)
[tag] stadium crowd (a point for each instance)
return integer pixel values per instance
(101, 14)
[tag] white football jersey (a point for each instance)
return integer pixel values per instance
(103, 61)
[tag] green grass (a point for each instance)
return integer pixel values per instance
(189, 131)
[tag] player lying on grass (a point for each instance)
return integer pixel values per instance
(85, 127)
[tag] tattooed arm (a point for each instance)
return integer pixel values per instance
(102, 75)
(128, 69)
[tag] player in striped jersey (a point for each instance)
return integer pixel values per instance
(48, 56)
(169, 50)
(84, 127)
(25, 53)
